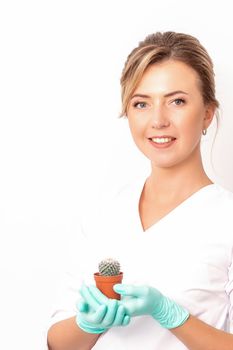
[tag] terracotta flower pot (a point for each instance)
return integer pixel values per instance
(105, 284)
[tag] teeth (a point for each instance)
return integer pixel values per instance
(161, 140)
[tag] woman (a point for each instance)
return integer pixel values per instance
(176, 256)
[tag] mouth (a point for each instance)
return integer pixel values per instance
(162, 142)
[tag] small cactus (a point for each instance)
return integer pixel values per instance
(109, 267)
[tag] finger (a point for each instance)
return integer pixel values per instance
(129, 290)
(131, 305)
(120, 315)
(126, 320)
(98, 295)
(82, 306)
(88, 297)
(94, 318)
(111, 313)
(98, 316)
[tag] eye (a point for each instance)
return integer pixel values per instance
(179, 101)
(140, 104)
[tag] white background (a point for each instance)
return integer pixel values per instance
(60, 138)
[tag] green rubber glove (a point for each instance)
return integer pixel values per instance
(145, 300)
(97, 313)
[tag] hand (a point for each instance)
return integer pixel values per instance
(145, 300)
(97, 313)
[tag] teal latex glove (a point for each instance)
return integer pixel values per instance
(97, 313)
(145, 300)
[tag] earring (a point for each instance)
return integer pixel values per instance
(204, 132)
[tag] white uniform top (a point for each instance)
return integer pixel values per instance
(187, 256)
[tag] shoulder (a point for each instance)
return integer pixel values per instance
(122, 192)
(218, 212)
(218, 203)
(111, 202)
(222, 197)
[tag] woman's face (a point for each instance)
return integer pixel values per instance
(166, 122)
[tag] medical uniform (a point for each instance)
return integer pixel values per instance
(186, 255)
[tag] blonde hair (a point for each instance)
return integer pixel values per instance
(159, 47)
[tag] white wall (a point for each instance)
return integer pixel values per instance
(60, 138)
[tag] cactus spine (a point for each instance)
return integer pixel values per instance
(109, 267)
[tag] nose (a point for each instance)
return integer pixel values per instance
(159, 119)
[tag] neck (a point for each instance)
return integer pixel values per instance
(177, 181)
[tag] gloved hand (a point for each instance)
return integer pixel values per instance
(145, 300)
(97, 313)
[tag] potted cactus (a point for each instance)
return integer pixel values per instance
(108, 275)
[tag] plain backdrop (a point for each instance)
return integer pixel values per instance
(61, 140)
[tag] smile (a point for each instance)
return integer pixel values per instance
(162, 142)
(162, 139)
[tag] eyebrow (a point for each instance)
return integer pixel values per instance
(167, 95)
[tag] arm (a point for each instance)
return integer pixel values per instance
(197, 335)
(95, 315)
(66, 335)
(192, 332)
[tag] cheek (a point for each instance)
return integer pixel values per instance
(136, 126)
(190, 125)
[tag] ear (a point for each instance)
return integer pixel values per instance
(209, 115)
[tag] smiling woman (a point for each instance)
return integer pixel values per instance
(166, 230)
(172, 114)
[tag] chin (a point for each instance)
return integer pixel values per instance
(165, 164)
